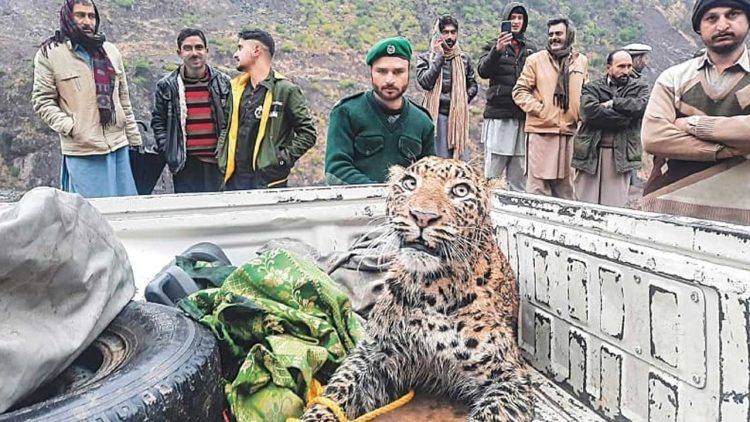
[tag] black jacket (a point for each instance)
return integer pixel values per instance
(622, 120)
(503, 70)
(167, 120)
(429, 66)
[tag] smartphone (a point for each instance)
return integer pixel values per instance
(505, 26)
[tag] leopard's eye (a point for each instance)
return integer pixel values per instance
(409, 183)
(460, 190)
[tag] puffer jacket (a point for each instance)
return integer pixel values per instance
(169, 114)
(503, 69)
(429, 66)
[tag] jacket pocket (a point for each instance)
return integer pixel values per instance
(279, 170)
(583, 144)
(369, 145)
(634, 147)
(72, 80)
(70, 88)
(410, 148)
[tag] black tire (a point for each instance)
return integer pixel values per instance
(151, 364)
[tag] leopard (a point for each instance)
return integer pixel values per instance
(445, 321)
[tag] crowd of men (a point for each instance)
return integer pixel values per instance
(547, 128)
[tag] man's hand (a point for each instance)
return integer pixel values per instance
(682, 124)
(503, 41)
(608, 104)
(439, 45)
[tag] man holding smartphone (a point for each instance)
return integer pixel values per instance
(503, 133)
(446, 74)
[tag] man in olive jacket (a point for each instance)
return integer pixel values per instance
(503, 132)
(608, 144)
(371, 131)
(268, 123)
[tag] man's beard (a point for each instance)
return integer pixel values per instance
(82, 29)
(620, 81)
(726, 48)
(450, 43)
(389, 96)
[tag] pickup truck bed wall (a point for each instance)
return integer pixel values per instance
(639, 317)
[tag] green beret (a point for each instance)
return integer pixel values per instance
(393, 47)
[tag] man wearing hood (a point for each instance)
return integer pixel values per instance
(445, 72)
(503, 133)
(697, 122)
(549, 91)
(81, 93)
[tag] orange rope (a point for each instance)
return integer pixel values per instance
(333, 407)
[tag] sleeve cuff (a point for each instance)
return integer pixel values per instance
(705, 128)
(68, 126)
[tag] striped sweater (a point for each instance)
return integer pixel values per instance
(200, 125)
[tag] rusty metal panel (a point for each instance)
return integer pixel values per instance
(662, 399)
(664, 324)
(612, 300)
(541, 275)
(663, 321)
(578, 291)
(543, 342)
(578, 361)
(610, 401)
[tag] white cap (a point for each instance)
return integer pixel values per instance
(637, 49)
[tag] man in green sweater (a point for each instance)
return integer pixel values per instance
(373, 130)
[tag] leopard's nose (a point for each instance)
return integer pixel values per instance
(423, 218)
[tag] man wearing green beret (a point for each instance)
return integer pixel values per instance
(373, 130)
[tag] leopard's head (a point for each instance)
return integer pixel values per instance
(438, 210)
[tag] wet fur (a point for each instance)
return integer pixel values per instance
(445, 323)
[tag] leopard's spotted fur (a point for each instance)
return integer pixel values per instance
(445, 321)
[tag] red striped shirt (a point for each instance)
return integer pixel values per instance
(200, 126)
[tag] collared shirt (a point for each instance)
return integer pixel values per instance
(721, 81)
(251, 109)
(84, 55)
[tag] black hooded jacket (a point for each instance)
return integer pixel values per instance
(503, 69)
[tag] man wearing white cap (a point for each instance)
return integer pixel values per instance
(640, 55)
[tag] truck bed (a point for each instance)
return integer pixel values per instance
(553, 404)
(629, 315)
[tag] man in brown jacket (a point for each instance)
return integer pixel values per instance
(81, 93)
(549, 92)
(697, 122)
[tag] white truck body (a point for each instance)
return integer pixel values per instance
(625, 315)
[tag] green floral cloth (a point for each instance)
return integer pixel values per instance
(280, 322)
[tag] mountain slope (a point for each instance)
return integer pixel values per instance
(321, 44)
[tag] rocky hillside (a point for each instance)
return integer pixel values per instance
(321, 44)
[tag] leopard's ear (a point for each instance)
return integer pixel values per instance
(395, 173)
